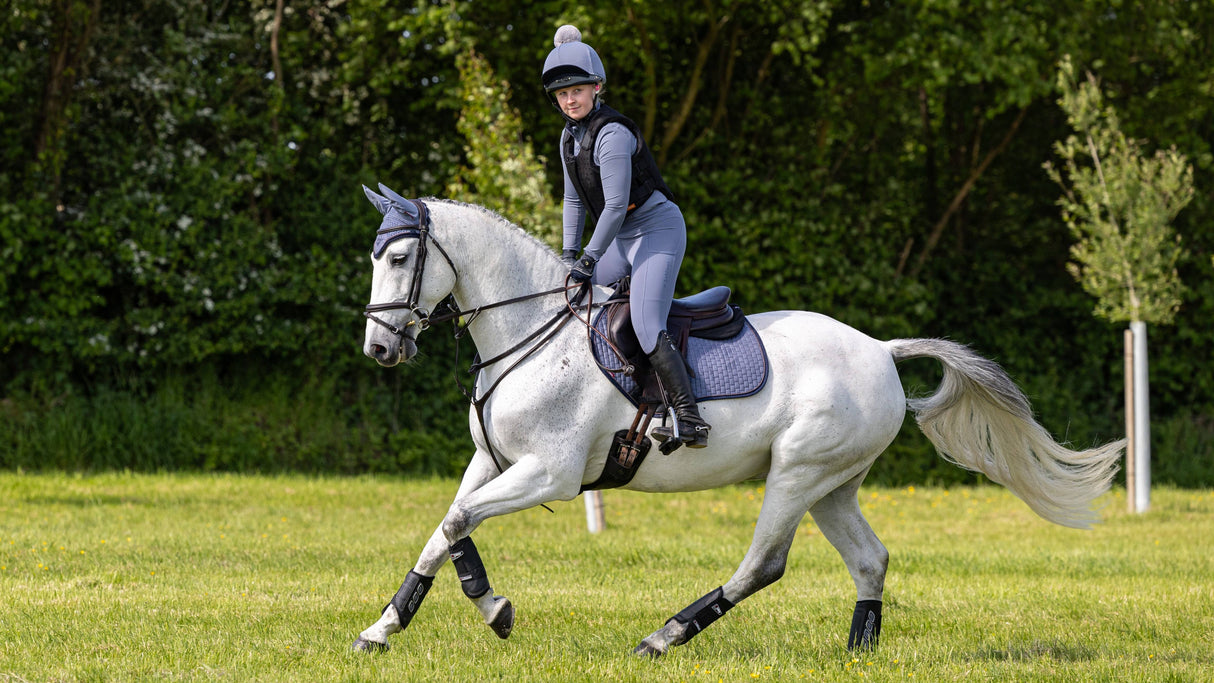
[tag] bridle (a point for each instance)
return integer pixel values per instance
(423, 319)
(417, 315)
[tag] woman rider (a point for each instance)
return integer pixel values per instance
(639, 230)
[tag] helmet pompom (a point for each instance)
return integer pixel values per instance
(566, 34)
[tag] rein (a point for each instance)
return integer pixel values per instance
(553, 326)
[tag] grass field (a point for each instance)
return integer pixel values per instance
(233, 578)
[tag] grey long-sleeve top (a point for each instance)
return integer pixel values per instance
(613, 152)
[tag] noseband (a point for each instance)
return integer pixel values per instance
(417, 315)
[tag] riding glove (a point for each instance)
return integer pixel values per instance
(568, 256)
(583, 268)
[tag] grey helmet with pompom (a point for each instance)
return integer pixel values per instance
(571, 62)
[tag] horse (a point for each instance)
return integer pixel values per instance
(543, 417)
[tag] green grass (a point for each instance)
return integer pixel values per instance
(198, 577)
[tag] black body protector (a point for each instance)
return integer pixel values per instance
(646, 179)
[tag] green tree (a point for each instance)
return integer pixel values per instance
(501, 170)
(179, 181)
(1119, 204)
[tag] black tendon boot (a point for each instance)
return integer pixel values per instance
(668, 363)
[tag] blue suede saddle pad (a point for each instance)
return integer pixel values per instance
(724, 368)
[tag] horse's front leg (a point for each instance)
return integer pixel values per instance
(396, 616)
(528, 483)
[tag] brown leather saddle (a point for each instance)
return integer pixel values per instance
(707, 315)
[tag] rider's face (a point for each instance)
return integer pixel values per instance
(576, 100)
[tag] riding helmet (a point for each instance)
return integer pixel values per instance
(571, 62)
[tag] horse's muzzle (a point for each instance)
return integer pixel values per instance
(391, 354)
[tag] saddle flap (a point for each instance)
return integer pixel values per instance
(726, 323)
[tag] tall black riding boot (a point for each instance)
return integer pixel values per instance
(668, 363)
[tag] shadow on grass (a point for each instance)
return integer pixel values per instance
(1037, 650)
(89, 500)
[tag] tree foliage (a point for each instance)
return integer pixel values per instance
(1120, 206)
(501, 170)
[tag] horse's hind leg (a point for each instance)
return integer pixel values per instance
(783, 507)
(839, 518)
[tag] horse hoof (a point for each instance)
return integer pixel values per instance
(503, 619)
(645, 649)
(364, 645)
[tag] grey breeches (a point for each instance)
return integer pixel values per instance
(652, 259)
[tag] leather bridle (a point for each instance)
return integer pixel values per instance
(423, 319)
(417, 315)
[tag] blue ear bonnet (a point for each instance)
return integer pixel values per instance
(402, 218)
(396, 224)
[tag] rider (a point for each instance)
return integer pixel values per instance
(639, 230)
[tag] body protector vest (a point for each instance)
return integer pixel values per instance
(646, 179)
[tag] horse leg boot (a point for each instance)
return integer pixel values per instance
(395, 617)
(497, 610)
(688, 427)
(396, 614)
(685, 625)
(400, 610)
(763, 565)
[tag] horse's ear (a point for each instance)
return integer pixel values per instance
(381, 203)
(401, 203)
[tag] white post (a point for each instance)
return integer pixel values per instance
(1142, 420)
(596, 521)
(1130, 496)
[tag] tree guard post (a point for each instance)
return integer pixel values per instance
(1130, 495)
(1142, 417)
(595, 519)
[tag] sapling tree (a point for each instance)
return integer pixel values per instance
(1119, 204)
(502, 172)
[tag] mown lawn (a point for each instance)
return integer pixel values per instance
(240, 578)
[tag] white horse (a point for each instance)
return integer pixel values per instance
(833, 402)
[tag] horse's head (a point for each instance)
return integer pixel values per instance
(405, 284)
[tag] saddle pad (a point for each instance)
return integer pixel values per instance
(724, 368)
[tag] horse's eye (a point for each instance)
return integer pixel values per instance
(400, 259)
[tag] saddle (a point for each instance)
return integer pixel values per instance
(706, 315)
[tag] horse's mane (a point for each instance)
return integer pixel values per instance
(490, 213)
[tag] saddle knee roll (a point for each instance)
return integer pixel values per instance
(470, 568)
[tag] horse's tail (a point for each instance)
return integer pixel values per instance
(979, 419)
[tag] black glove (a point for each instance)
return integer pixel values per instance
(568, 257)
(583, 269)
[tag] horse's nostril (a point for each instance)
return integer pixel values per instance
(379, 350)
